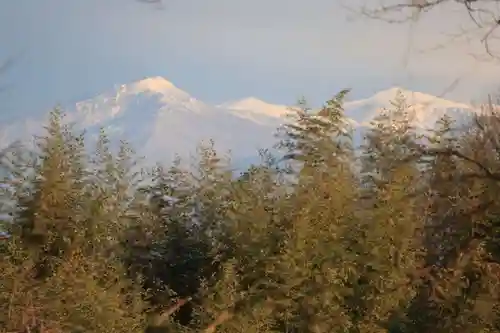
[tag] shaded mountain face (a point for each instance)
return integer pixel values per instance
(161, 120)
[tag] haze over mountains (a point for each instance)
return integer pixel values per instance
(161, 120)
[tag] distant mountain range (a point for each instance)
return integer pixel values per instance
(161, 120)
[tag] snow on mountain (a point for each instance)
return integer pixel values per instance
(257, 110)
(148, 96)
(161, 120)
(427, 109)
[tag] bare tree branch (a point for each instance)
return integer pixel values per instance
(222, 318)
(453, 152)
(165, 315)
(483, 14)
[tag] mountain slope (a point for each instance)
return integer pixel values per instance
(257, 110)
(161, 120)
(427, 109)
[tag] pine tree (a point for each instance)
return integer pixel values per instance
(49, 213)
(388, 241)
(391, 143)
(237, 299)
(442, 197)
(443, 172)
(187, 211)
(61, 282)
(314, 139)
(311, 278)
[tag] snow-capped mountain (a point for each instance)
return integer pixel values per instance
(426, 109)
(161, 120)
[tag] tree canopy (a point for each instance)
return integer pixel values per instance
(398, 235)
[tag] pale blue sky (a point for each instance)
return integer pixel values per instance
(219, 50)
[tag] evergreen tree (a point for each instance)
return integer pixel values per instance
(49, 212)
(311, 279)
(315, 138)
(237, 298)
(52, 281)
(388, 241)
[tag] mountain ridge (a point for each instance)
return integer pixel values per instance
(163, 120)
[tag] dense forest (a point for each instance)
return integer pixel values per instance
(399, 235)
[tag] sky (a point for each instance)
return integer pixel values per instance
(219, 50)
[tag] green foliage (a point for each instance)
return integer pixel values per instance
(389, 233)
(401, 238)
(61, 268)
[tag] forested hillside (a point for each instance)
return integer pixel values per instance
(404, 237)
